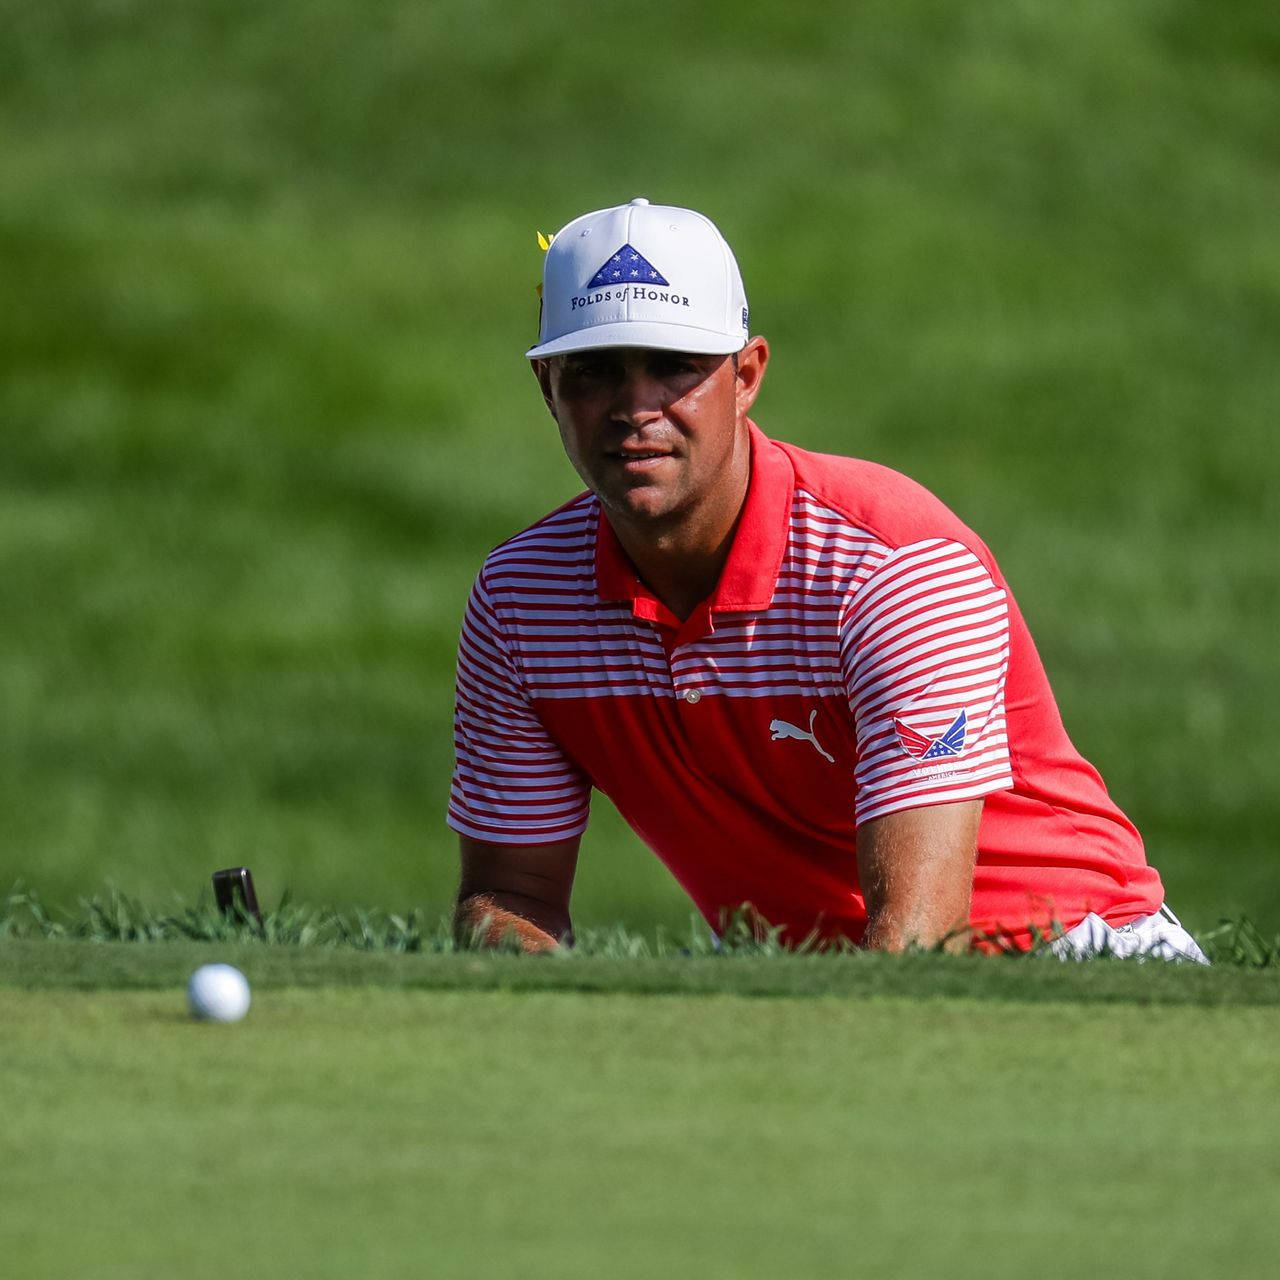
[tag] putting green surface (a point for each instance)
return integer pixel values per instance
(378, 1132)
(37, 964)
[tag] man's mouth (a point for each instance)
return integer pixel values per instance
(638, 459)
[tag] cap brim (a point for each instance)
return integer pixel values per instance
(629, 333)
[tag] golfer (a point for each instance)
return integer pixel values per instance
(801, 679)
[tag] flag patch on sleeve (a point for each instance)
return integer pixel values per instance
(922, 747)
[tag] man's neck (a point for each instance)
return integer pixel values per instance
(681, 564)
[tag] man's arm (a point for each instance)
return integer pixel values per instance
(916, 869)
(522, 890)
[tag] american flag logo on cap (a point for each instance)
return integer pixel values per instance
(627, 266)
(921, 747)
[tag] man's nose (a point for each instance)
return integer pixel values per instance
(638, 398)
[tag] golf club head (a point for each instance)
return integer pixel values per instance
(233, 892)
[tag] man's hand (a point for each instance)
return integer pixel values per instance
(916, 870)
(519, 891)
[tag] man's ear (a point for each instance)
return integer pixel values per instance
(752, 360)
(542, 371)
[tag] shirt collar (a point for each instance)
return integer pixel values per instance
(750, 574)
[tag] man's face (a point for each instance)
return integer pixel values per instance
(655, 434)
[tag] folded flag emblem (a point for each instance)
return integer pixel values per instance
(916, 744)
(627, 266)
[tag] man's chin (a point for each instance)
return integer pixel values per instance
(644, 503)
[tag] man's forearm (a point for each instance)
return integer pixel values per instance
(492, 918)
(889, 931)
(916, 870)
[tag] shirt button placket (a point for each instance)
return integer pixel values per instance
(692, 696)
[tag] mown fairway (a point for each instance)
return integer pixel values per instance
(365, 1130)
(267, 275)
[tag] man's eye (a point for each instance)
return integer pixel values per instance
(669, 368)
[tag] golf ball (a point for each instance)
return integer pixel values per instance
(219, 993)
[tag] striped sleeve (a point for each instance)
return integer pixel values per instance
(925, 651)
(511, 783)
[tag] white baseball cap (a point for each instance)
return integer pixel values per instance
(641, 275)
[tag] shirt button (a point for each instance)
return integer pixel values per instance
(692, 695)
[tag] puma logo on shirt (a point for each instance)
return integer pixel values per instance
(779, 729)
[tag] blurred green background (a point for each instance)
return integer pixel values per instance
(266, 275)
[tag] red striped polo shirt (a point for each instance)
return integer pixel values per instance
(861, 655)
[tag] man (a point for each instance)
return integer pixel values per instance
(801, 679)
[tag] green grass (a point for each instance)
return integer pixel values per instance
(399, 1133)
(114, 917)
(610, 968)
(268, 274)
